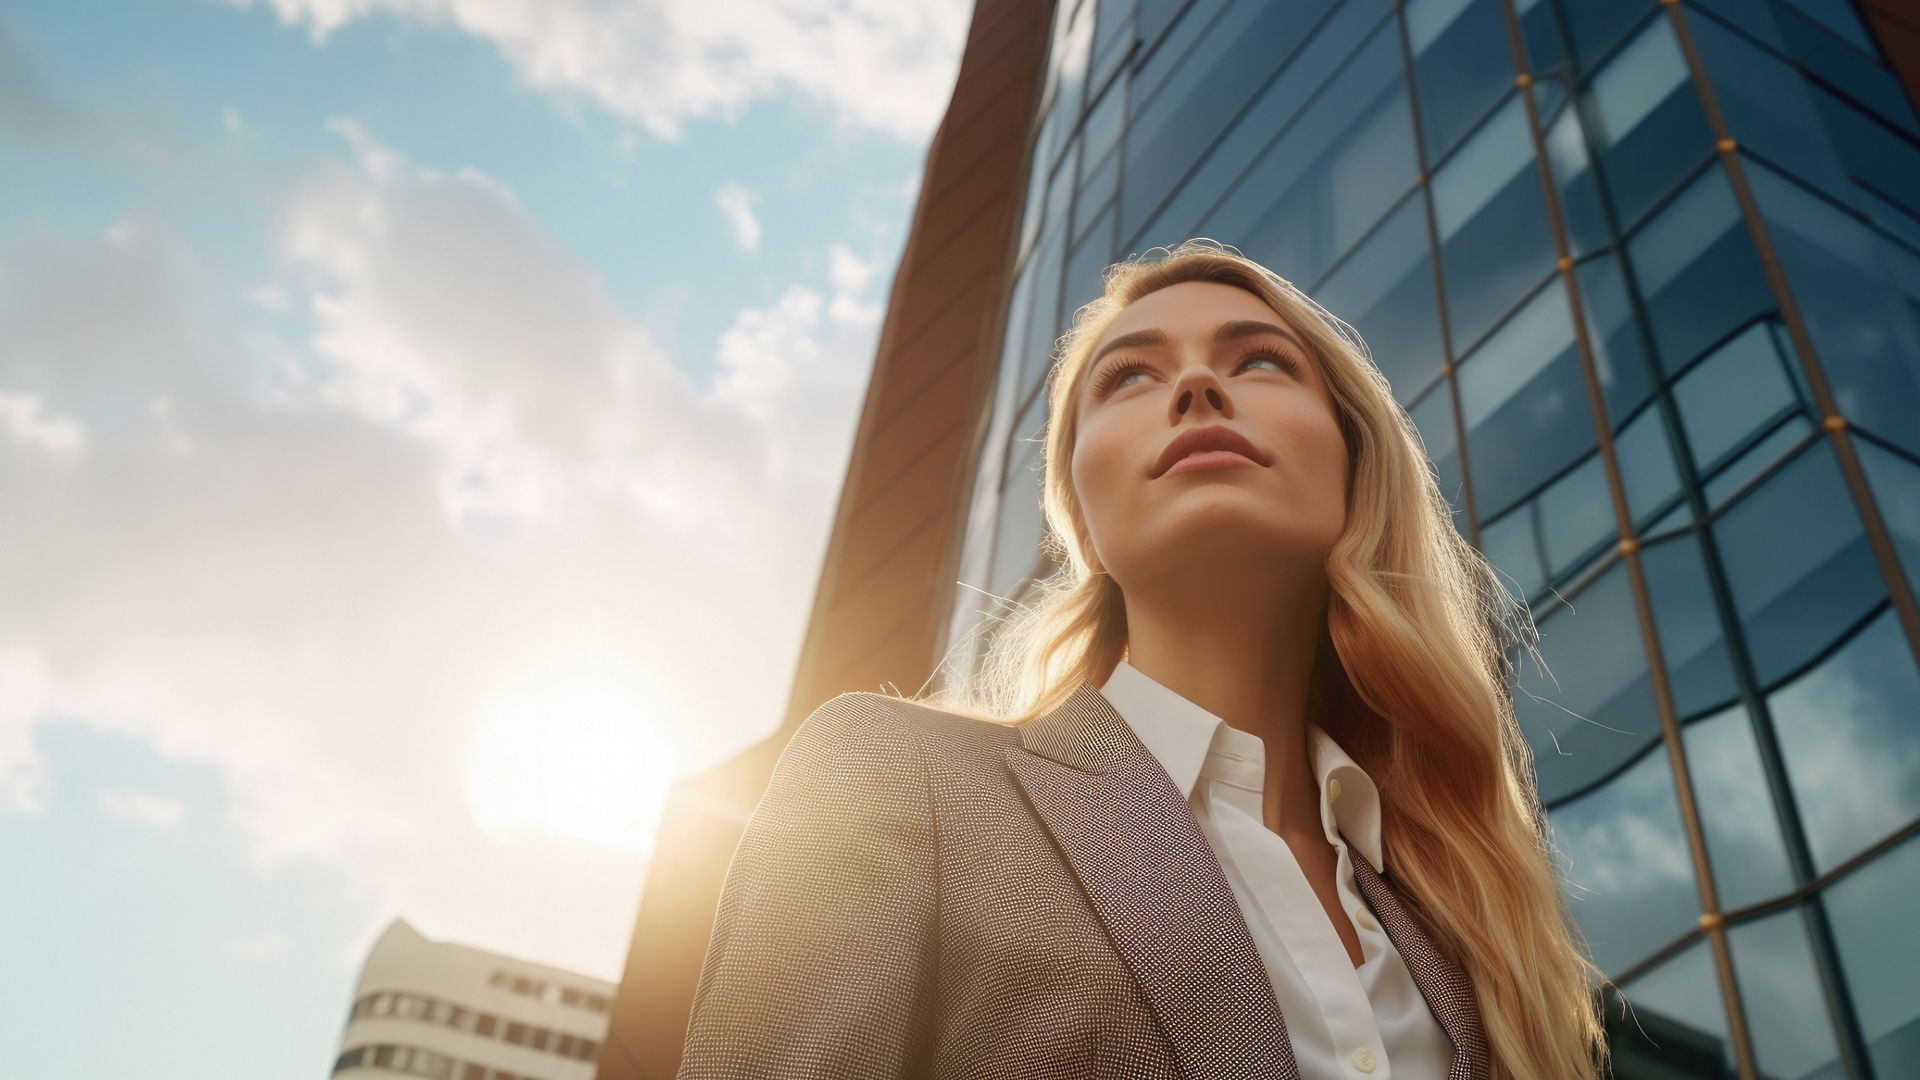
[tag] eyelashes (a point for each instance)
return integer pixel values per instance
(1112, 374)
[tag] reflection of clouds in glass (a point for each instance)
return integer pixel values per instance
(1625, 864)
(1872, 915)
(1786, 1012)
(1850, 732)
(1736, 810)
(1682, 993)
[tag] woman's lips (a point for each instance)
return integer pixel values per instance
(1208, 459)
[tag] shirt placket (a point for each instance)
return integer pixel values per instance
(1300, 923)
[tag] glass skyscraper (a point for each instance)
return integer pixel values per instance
(1647, 277)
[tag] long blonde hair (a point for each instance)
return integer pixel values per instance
(1412, 676)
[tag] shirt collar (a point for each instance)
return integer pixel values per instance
(1181, 735)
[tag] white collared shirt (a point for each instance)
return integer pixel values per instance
(1346, 1023)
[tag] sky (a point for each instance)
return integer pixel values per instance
(420, 423)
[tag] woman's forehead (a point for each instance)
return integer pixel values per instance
(1191, 308)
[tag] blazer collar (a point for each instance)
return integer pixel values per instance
(1173, 917)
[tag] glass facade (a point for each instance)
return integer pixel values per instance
(1647, 278)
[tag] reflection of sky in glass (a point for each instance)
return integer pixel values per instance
(1850, 732)
(1736, 811)
(1872, 915)
(1786, 1012)
(1677, 1004)
(1625, 862)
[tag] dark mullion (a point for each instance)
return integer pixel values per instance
(1710, 918)
(1451, 361)
(1853, 1047)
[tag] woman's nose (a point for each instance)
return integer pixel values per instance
(1196, 383)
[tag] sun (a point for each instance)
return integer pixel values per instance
(584, 767)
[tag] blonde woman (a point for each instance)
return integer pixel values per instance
(1238, 793)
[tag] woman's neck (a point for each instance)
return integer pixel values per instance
(1246, 656)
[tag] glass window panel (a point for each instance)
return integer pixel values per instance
(1579, 188)
(1896, 491)
(1225, 69)
(1060, 189)
(1113, 25)
(1046, 271)
(1865, 328)
(1736, 810)
(1512, 546)
(1646, 465)
(1592, 709)
(1860, 75)
(1334, 172)
(1850, 732)
(1754, 460)
(1030, 219)
(1491, 214)
(1675, 518)
(1096, 191)
(1385, 290)
(1461, 65)
(1798, 564)
(1071, 53)
(1271, 112)
(1697, 269)
(1433, 416)
(1740, 389)
(1576, 516)
(1596, 28)
(1629, 874)
(1016, 546)
(1676, 1023)
(1523, 399)
(1885, 168)
(1619, 357)
(1168, 41)
(1692, 640)
(1648, 122)
(1765, 104)
(1105, 122)
(1084, 267)
(1540, 35)
(1837, 16)
(1786, 1009)
(1871, 913)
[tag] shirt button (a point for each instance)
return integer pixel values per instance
(1363, 1060)
(1364, 920)
(1333, 788)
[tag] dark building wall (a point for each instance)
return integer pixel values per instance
(880, 608)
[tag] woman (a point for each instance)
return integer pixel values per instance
(1240, 794)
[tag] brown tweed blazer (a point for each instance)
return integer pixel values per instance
(922, 894)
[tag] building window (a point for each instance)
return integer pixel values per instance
(516, 1032)
(485, 1025)
(538, 1038)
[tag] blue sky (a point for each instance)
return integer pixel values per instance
(421, 422)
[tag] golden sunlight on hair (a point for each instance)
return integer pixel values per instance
(1413, 676)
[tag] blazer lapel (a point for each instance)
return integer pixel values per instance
(1446, 988)
(1155, 883)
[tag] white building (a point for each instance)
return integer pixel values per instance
(428, 1008)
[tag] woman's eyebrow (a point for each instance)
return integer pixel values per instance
(1227, 331)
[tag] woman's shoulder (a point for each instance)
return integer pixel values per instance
(904, 722)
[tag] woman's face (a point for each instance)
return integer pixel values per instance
(1206, 357)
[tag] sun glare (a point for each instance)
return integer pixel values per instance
(585, 768)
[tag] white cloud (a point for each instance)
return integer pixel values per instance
(319, 564)
(878, 64)
(142, 808)
(736, 203)
(23, 419)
